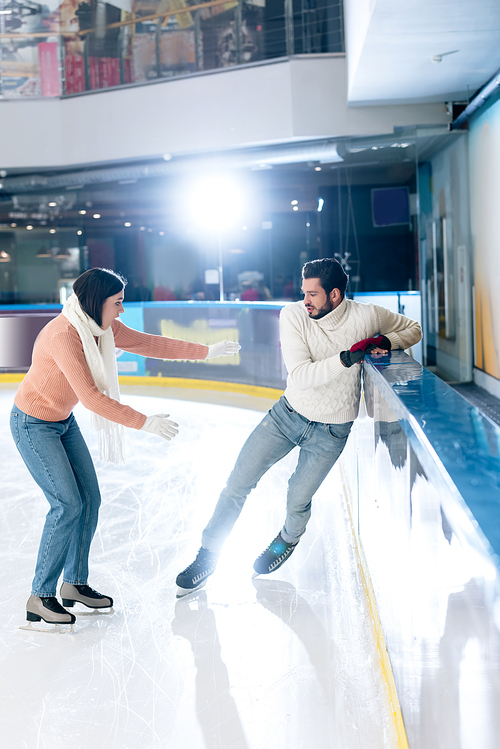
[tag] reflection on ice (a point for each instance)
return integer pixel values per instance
(284, 661)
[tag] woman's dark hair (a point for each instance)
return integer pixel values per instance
(330, 273)
(93, 288)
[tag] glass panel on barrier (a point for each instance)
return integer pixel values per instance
(434, 579)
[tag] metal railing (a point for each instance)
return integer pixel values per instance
(102, 46)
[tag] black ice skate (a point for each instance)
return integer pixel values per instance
(89, 597)
(50, 610)
(273, 557)
(195, 576)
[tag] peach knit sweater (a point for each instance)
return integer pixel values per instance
(59, 376)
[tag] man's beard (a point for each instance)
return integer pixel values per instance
(322, 311)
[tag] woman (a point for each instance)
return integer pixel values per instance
(74, 360)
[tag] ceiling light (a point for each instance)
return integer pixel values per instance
(162, 233)
(294, 202)
(52, 204)
(61, 254)
(317, 168)
(96, 215)
(44, 252)
(321, 203)
(82, 213)
(29, 227)
(4, 257)
(215, 202)
(167, 156)
(13, 226)
(142, 228)
(127, 223)
(260, 167)
(295, 207)
(308, 224)
(52, 231)
(79, 232)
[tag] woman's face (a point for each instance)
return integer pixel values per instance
(111, 309)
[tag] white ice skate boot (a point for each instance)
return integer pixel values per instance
(89, 597)
(50, 610)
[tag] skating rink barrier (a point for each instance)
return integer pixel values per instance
(254, 325)
(422, 477)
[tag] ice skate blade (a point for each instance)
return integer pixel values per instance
(183, 592)
(55, 630)
(95, 612)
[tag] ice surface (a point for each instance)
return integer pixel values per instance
(282, 661)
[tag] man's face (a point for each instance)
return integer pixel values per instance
(317, 303)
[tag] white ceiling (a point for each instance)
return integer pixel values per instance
(391, 43)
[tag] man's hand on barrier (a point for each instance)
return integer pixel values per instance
(377, 345)
(370, 344)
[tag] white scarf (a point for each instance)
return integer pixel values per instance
(101, 361)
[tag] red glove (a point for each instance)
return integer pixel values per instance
(357, 352)
(367, 344)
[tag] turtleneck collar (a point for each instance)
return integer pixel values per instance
(333, 319)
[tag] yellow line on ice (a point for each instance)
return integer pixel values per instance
(181, 382)
(385, 663)
(15, 377)
(224, 387)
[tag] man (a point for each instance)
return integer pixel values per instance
(322, 338)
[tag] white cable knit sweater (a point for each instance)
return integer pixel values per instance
(319, 387)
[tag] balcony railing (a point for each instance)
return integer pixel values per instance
(95, 45)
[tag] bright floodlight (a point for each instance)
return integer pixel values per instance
(215, 202)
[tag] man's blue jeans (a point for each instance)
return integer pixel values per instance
(277, 434)
(57, 457)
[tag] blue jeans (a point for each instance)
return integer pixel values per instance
(277, 434)
(57, 457)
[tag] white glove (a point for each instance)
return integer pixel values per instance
(160, 425)
(223, 348)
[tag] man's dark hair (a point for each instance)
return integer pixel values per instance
(330, 273)
(93, 288)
